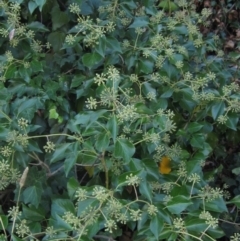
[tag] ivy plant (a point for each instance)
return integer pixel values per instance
(111, 114)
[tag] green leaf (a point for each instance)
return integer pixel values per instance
(145, 66)
(53, 114)
(90, 59)
(32, 6)
(72, 186)
(178, 204)
(156, 226)
(101, 47)
(217, 205)
(112, 126)
(60, 152)
(102, 141)
(195, 224)
(151, 168)
(37, 26)
(36, 66)
(168, 5)
(69, 163)
(32, 213)
(197, 140)
(145, 190)
(4, 222)
(215, 233)
(194, 127)
(232, 121)
(83, 205)
(32, 195)
(40, 3)
(217, 109)
(15, 238)
(56, 39)
(113, 44)
(140, 22)
(165, 234)
(235, 200)
(59, 18)
(60, 206)
(124, 149)
(236, 170)
(167, 94)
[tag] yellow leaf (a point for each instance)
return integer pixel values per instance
(164, 165)
(90, 170)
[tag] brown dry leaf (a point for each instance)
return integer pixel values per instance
(229, 44)
(207, 4)
(238, 34)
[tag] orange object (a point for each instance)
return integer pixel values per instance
(164, 165)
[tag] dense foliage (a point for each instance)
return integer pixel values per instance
(119, 120)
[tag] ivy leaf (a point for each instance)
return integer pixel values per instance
(235, 200)
(40, 3)
(112, 126)
(37, 26)
(156, 226)
(140, 22)
(72, 186)
(194, 127)
(60, 152)
(145, 190)
(4, 222)
(32, 194)
(56, 39)
(60, 206)
(32, 213)
(102, 141)
(178, 204)
(124, 149)
(90, 59)
(59, 18)
(168, 5)
(217, 109)
(32, 6)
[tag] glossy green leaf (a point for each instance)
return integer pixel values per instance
(217, 109)
(40, 3)
(113, 128)
(124, 149)
(72, 186)
(32, 213)
(139, 22)
(3, 222)
(32, 6)
(178, 204)
(168, 5)
(195, 224)
(168, 93)
(217, 205)
(235, 200)
(197, 140)
(60, 206)
(145, 190)
(59, 153)
(102, 141)
(156, 226)
(232, 121)
(194, 127)
(56, 39)
(90, 59)
(59, 18)
(37, 26)
(32, 195)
